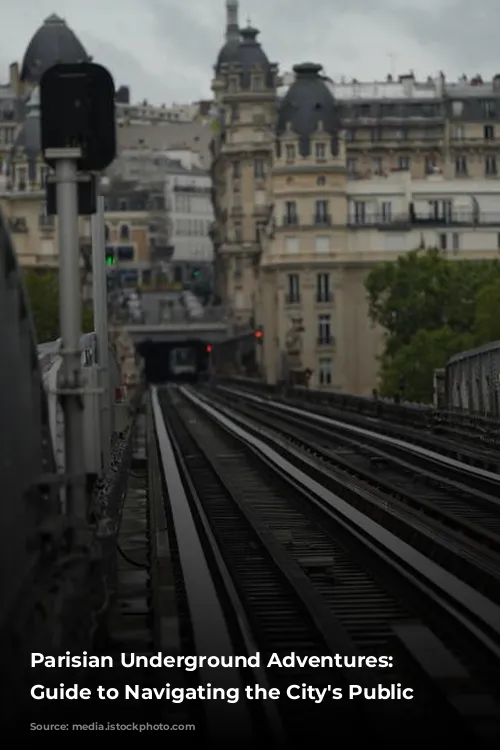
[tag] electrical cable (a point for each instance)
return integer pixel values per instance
(129, 559)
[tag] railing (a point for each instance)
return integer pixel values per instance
(454, 218)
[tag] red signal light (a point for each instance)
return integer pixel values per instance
(258, 334)
(208, 348)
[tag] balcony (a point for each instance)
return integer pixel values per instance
(292, 299)
(462, 142)
(325, 340)
(290, 221)
(46, 222)
(460, 217)
(322, 220)
(324, 298)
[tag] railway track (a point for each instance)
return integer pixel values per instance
(291, 567)
(475, 441)
(420, 498)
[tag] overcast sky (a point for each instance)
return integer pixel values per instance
(165, 49)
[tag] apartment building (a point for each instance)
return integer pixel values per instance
(244, 88)
(190, 215)
(427, 127)
(342, 175)
(326, 232)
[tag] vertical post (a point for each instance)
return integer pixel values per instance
(70, 306)
(100, 296)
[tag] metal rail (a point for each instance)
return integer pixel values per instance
(451, 522)
(470, 606)
(461, 427)
(270, 501)
(208, 621)
(489, 481)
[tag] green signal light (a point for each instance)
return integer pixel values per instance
(110, 261)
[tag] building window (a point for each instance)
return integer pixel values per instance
(386, 211)
(323, 293)
(359, 212)
(458, 132)
(321, 213)
(21, 176)
(259, 169)
(351, 166)
(322, 245)
(235, 113)
(489, 109)
(237, 267)
(124, 232)
(122, 204)
(404, 163)
(430, 164)
(441, 210)
(461, 165)
(106, 232)
(324, 329)
(290, 152)
(125, 253)
(350, 135)
(490, 166)
(236, 170)
(238, 233)
(377, 165)
(293, 296)
(320, 150)
(292, 245)
(44, 172)
(443, 241)
(376, 134)
(325, 371)
(257, 83)
(489, 132)
(455, 242)
(321, 181)
(290, 218)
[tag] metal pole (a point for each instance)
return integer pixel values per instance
(70, 306)
(100, 295)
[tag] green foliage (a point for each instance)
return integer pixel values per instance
(416, 361)
(43, 292)
(430, 308)
(487, 321)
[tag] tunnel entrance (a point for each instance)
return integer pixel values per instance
(184, 362)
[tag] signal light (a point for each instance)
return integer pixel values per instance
(208, 348)
(259, 335)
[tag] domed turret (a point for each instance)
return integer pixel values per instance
(250, 56)
(309, 106)
(229, 51)
(53, 43)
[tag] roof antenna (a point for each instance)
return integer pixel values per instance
(249, 22)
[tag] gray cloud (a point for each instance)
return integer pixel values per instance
(165, 49)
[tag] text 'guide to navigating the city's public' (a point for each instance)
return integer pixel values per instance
(339, 665)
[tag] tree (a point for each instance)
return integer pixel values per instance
(416, 361)
(430, 308)
(424, 290)
(42, 288)
(487, 321)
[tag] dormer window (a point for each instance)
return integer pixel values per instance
(290, 152)
(320, 151)
(232, 86)
(258, 83)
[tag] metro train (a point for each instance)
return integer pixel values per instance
(183, 362)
